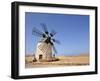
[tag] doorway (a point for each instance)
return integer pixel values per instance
(40, 56)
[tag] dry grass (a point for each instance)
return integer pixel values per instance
(63, 61)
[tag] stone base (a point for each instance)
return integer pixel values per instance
(47, 60)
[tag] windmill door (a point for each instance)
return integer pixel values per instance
(40, 56)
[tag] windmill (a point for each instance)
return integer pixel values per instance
(45, 50)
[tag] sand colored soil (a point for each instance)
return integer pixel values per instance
(63, 61)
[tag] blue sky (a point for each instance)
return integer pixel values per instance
(72, 32)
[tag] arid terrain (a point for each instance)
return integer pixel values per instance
(63, 61)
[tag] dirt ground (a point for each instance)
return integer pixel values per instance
(63, 61)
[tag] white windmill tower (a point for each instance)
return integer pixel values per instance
(45, 50)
